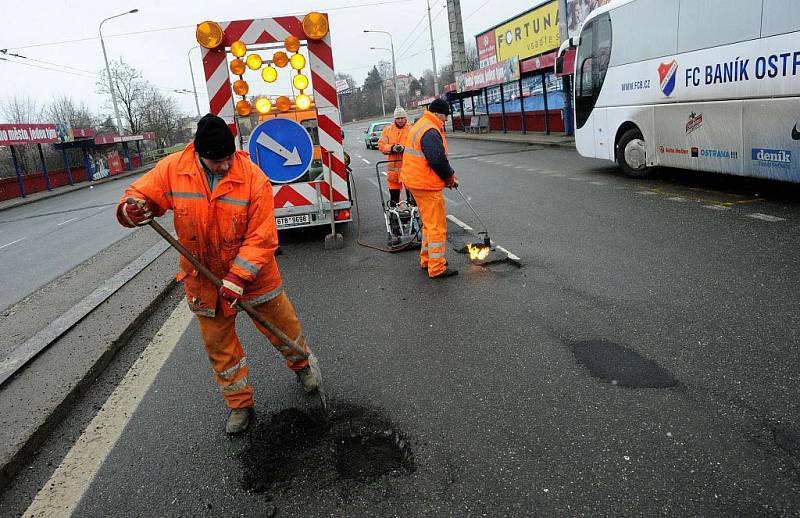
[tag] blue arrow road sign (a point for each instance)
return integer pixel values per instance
(282, 148)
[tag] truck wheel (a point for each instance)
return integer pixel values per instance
(631, 155)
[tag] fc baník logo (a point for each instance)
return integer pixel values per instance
(666, 76)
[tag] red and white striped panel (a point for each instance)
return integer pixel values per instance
(323, 81)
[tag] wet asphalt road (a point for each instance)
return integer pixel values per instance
(41, 241)
(479, 371)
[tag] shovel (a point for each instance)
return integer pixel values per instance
(255, 315)
(334, 240)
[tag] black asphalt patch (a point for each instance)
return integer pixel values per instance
(356, 445)
(620, 365)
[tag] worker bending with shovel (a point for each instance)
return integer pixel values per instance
(426, 171)
(392, 143)
(224, 215)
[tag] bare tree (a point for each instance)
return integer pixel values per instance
(64, 109)
(473, 61)
(160, 113)
(21, 109)
(130, 89)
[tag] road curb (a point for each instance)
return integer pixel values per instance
(529, 142)
(27, 445)
(65, 189)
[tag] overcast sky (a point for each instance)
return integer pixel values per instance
(45, 31)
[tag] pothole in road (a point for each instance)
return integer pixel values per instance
(620, 365)
(290, 448)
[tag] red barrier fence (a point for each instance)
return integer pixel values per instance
(534, 121)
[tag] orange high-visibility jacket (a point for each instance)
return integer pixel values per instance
(230, 230)
(416, 173)
(391, 136)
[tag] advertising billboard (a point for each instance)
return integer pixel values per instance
(498, 73)
(487, 48)
(529, 34)
(577, 11)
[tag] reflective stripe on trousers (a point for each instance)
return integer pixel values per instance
(434, 230)
(227, 356)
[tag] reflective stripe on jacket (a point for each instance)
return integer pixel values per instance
(416, 172)
(231, 229)
(391, 136)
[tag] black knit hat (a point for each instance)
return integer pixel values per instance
(439, 106)
(213, 139)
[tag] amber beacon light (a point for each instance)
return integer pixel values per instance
(315, 25)
(209, 34)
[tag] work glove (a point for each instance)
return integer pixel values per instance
(397, 148)
(452, 182)
(232, 288)
(136, 212)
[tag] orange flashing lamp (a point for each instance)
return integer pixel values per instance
(238, 48)
(292, 43)
(209, 34)
(243, 108)
(315, 25)
(283, 103)
(254, 61)
(240, 87)
(237, 67)
(280, 59)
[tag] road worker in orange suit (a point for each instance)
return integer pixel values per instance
(223, 211)
(393, 143)
(426, 171)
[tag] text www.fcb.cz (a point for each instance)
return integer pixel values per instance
(636, 85)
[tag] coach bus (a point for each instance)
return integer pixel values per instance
(706, 85)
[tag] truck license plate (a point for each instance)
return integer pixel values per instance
(292, 221)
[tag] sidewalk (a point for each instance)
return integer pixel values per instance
(516, 137)
(64, 189)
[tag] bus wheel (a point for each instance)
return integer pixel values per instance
(631, 156)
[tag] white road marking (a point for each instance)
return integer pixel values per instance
(459, 222)
(62, 493)
(365, 160)
(765, 217)
(490, 162)
(716, 207)
(359, 156)
(678, 199)
(11, 243)
(598, 183)
(560, 175)
(646, 193)
(575, 179)
(509, 254)
(65, 222)
(463, 225)
(519, 167)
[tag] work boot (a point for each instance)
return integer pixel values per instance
(308, 379)
(238, 420)
(447, 273)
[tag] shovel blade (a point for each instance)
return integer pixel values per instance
(322, 410)
(334, 241)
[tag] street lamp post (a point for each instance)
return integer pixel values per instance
(108, 69)
(191, 72)
(433, 53)
(394, 67)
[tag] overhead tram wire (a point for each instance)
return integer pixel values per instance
(406, 55)
(85, 73)
(177, 27)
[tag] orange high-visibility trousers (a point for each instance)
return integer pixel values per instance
(226, 354)
(434, 231)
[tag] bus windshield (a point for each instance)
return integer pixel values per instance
(594, 52)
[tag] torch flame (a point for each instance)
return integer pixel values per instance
(477, 253)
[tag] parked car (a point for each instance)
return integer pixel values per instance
(373, 133)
